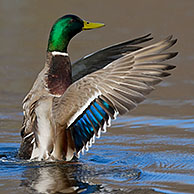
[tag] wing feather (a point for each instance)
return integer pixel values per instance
(89, 104)
(101, 58)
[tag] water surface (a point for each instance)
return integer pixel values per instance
(150, 148)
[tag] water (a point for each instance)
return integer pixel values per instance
(149, 150)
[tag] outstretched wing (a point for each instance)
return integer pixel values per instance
(89, 104)
(101, 58)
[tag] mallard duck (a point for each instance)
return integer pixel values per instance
(70, 105)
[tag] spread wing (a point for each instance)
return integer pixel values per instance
(101, 58)
(89, 104)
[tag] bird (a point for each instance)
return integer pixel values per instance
(70, 105)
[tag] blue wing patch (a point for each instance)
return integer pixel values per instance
(90, 123)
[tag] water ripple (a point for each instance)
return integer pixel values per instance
(134, 122)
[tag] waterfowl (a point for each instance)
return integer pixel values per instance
(70, 105)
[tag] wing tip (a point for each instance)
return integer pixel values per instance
(141, 39)
(170, 67)
(172, 55)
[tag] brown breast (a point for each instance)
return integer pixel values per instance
(59, 75)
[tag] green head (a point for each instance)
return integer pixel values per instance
(64, 29)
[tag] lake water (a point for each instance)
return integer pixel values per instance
(150, 150)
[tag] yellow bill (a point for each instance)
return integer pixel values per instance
(90, 25)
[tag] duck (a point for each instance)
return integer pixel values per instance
(70, 105)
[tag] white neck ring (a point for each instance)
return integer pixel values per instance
(54, 53)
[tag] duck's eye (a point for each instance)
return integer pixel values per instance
(72, 20)
(87, 22)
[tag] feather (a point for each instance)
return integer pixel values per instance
(117, 88)
(101, 58)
